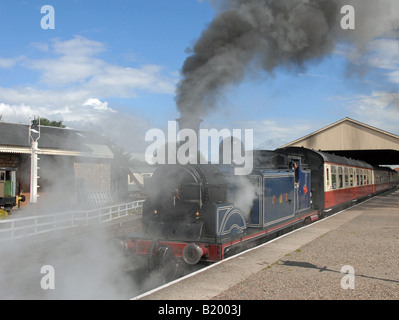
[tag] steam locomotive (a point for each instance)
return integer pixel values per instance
(204, 212)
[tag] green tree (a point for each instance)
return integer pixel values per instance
(49, 123)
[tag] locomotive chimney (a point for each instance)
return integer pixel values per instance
(189, 123)
(192, 123)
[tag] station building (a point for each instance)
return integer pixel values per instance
(77, 169)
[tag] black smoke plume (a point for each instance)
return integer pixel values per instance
(271, 33)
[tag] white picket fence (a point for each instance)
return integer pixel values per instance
(17, 228)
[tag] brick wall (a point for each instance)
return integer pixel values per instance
(10, 160)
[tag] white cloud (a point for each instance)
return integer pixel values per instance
(78, 46)
(74, 82)
(21, 112)
(394, 77)
(382, 54)
(98, 105)
(270, 134)
(9, 62)
(379, 109)
(77, 65)
(67, 70)
(43, 98)
(74, 86)
(126, 82)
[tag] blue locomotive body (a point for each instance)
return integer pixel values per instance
(205, 212)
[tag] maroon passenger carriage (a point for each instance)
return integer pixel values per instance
(338, 182)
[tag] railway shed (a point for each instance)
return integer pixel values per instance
(77, 168)
(353, 139)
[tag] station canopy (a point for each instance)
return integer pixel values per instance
(353, 139)
(14, 138)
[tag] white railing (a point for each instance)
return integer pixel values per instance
(12, 229)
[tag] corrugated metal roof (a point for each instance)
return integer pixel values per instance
(326, 157)
(14, 138)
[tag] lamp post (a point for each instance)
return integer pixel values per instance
(34, 135)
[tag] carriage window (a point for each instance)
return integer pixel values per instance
(2, 176)
(351, 177)
(328, 177)
(334, 177)
(364, 179)
(346, 177)
(340, 178)
(357, 177)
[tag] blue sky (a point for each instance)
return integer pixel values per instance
(113, 66)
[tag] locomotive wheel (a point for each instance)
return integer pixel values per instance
(153, 259)
(307, 221)
(169, 265)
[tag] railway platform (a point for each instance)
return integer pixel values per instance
(351, 255)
